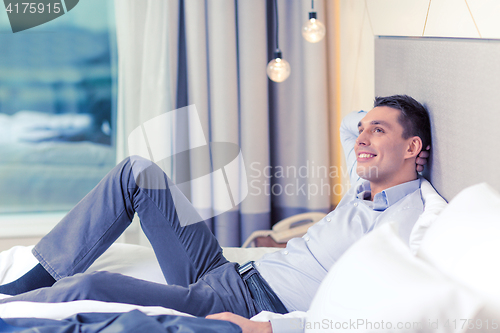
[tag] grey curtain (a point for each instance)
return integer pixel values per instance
(207, 60)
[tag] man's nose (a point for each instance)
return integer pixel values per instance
(362, 139)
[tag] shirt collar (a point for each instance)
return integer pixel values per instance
(387, 197)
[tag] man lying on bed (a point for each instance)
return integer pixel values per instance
(385, 144)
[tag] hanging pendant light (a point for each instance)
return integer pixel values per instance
(313, 30)
(278, 69)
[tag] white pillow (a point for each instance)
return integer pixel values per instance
(379, 280)
(464, 242)
(242, 255)
(128, 259)
(433, 205)
(132, 260)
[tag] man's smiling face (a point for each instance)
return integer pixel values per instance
(380, 148)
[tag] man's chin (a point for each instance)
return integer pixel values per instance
(368, 173)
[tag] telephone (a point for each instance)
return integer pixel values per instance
(286, 229)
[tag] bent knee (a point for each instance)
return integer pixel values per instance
(147, 174)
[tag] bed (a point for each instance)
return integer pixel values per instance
(140, 262)
(448, 274)
(129, 259)
(133, 260)
(447, 280)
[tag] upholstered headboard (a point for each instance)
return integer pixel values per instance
(458, 80)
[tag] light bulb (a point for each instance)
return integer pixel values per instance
(278, 69)
(313, 30)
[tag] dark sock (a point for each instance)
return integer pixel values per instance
(38, 277)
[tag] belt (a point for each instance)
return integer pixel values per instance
(264, 297)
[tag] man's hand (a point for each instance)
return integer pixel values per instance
(247, 326)
(422, 159)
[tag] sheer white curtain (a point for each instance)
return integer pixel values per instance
(212, 55)
(147, 63)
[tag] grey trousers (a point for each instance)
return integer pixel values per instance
(200, 280)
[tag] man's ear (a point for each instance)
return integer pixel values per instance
(414, 147)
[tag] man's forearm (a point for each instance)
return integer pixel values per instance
(275, 325)
(247, 326)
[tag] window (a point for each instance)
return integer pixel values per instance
(57, 109)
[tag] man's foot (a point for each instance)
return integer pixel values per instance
(36, 278)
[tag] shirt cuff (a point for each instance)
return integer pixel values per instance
(288, 325)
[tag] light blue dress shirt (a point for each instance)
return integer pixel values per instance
(296, 272)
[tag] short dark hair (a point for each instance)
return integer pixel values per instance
(414, 117)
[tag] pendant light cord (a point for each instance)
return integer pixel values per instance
(312, 4)
(276, 23)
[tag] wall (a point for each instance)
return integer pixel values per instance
(361, 20)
